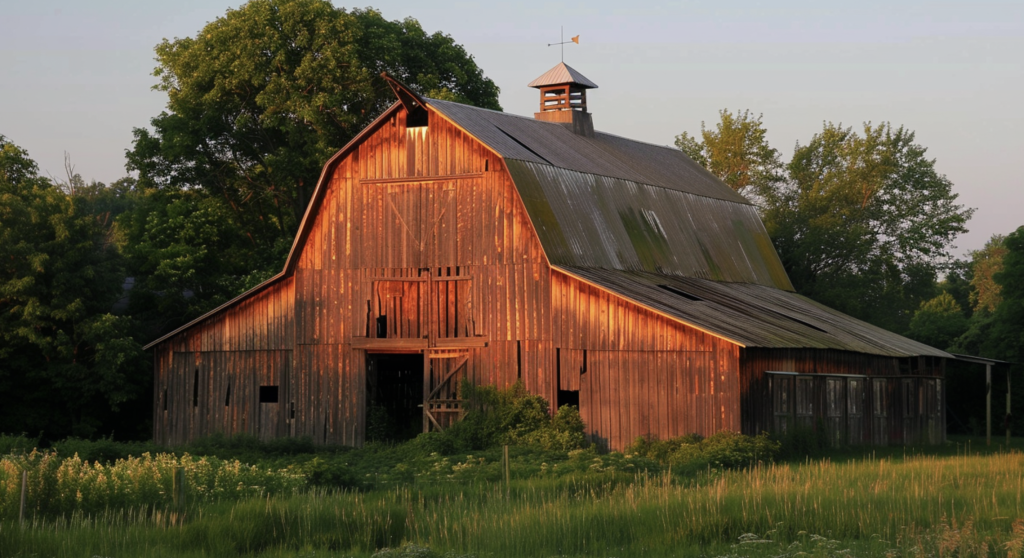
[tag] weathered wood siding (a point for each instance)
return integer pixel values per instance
(408, 202)
(237, 350)
(858, 398)
(640, 373)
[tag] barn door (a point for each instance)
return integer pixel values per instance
(880, 411)
(782, 403)
(805, 403)
(835, 399)
(450, 309)
(417, 228)
(442, 405)
(911, 411)
(395, 310)
(855, 411)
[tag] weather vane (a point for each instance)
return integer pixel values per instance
(561, 34)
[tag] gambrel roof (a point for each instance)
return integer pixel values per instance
(648, 224)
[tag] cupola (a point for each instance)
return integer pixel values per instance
(563, 98)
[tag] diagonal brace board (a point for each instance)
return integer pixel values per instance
(459, 364)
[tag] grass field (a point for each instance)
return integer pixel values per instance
(946, 501)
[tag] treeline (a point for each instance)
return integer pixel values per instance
(865, 224)
(258, 100)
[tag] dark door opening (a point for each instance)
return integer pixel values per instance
(394, 397)
(568, 397)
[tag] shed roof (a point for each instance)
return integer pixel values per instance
(754, 315)
(562, 73)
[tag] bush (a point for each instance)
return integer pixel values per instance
(805, 441)
(329, 473)
(103, 450)
(722, 450)
(17, 444)
(509, 416)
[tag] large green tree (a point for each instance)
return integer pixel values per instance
(65, 359)
(864, 222)
(261, 97)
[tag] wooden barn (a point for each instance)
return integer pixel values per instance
(448, 242)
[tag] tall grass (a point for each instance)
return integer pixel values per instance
(943, 506)
(67, 485)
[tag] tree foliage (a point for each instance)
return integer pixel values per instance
(737, 152)
(865, 222)
(938, 322)
(986, 263)
(62, 352)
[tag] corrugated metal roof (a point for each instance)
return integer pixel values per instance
(550, 143)
(754, 315)
(560, 74)
(587, 220)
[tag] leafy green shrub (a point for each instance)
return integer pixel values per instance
(329, 473)
(725, 449)
(10, 444)
(250, 449)
(509, 416)
(103, 450)
(803, 441)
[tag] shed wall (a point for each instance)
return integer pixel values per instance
(900, 400)
(236, 351)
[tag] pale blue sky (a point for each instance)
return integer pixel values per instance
(75, 76)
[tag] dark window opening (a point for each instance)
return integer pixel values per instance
(268, 394)
(519, 359)
(165, 399)
(683, 294)
(227, 397)
(486, 165)
(195, 389)
(568, 397)
(417, 118)
(394, 397)
(291, 415)
(382, 327)
(584, 369)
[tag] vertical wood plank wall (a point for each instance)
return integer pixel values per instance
(645, 374)
(236, 351)
(901, 424)
(406, 200)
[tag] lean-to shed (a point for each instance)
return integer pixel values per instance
(448, 242)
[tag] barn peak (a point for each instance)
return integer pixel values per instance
(563, 98)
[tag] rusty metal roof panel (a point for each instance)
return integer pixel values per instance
(754, 315)
(587, 220)
(536, 141)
